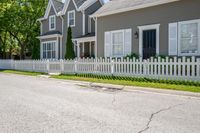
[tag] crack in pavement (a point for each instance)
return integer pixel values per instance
(153, 115)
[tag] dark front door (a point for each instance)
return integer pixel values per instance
(149, 43)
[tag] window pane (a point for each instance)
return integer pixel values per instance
(189, 45)
(189, 38)
(117, 42)
(44, 55)
(71, 18)
(117, 50)
(118, 38)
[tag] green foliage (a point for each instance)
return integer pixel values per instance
(69, 46)
(132, 55)
(18, 18)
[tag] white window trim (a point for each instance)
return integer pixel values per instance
(56, 49)
(72, 11)
(117, 31)
(179, 38)
(52, 16)
(149, 27)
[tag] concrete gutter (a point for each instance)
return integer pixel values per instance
(145, 89)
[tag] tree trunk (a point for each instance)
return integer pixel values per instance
(22, 52)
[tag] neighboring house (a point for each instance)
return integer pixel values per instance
(148, 28)
(121, 27)
(54, 24)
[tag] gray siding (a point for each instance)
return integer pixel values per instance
(45, 23)
(93, 8)
(77, 30)
(162, 14)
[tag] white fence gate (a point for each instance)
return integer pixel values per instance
(169, 68)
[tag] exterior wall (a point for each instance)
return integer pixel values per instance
(163, 14)
(93, 8)
(45, 23)
(77, 31)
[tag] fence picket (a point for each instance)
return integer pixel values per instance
(169, 68)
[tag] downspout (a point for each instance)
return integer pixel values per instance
(61, 38)
(83, 12)
(41, 48)
(96, 27)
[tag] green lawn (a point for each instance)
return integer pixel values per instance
(189, 88)
(117, 81)
(22, 72)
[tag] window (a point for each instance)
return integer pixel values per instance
(52, 22)
(117, 43)
(189, 37)
(49, 50)
(71, 18)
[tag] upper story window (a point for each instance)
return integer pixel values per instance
(52, 22)
(71, 18)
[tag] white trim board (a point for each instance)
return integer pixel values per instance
(149, 27)
(49, 36)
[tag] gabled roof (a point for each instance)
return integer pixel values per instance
(58, 5)
(118, 6)
(79, 2)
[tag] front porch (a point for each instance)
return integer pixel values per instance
(85, 46)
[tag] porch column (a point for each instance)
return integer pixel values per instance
(90, 46)
(78, 50)
(83, 48)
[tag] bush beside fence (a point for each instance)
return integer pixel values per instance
(187, 69)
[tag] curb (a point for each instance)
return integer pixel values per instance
(146, 89)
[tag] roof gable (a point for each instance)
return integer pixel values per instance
(79, 4)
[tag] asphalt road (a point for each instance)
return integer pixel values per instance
(40, 105)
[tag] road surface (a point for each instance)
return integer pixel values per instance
(41, 105)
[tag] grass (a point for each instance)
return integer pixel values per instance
(189, 88)
(22, 72)
(180, 86)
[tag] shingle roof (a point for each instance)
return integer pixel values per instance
(58, 5)
(79, 2)
(114, 6)
(51, 33)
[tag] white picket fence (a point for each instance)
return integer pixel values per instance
(169, 68)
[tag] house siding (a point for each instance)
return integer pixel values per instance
(93, 8)
(45, 23)
(162, 14)
(77, 30)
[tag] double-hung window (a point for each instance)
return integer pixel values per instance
(52, 22)
(117, 43)
(71, 18)
(49, 50)
(189, 37)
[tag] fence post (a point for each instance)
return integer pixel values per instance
(75, 66)
(112, 67)
(61, 66)
(12, 64)
(48, 68)
(145, 68)
(33, 63)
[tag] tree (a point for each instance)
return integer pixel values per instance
(69, 46)
(18, 18)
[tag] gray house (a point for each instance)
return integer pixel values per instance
(148, 27)
(54, 24)
(122, 27)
